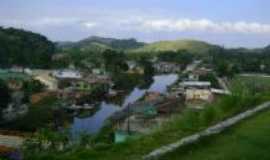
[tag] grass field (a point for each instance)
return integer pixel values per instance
(247, 141)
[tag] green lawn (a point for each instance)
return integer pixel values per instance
(249, 140)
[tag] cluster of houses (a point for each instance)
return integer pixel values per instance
(69, 85)
(194, 90)
(167, 67)
(72, 85)
(144, 115)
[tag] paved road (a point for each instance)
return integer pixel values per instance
(11, 141)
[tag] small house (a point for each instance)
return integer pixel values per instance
(197, 90)
(198, 94)
(196, 84)
(67, 74)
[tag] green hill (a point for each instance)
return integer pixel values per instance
(95, 43)
(193, 46)
(95, 47)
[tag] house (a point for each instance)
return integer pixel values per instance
(196, 84)
(197, 90)
(167, 67)
(195, 74)
(198, 94)
(67, 74)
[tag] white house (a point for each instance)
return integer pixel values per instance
(196, 84)
(67, 74)
(197, 90)
(198, 94)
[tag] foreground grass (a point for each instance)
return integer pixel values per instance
(247, 141)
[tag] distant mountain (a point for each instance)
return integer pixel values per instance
(193, 46)
(24, 48)
(101, 43)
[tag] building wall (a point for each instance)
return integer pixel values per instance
(198, 94)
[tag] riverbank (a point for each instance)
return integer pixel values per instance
(179, 126)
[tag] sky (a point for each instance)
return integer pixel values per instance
(230, 23)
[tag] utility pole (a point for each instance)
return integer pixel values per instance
(128, 122)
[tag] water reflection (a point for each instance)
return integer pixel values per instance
(93, 123)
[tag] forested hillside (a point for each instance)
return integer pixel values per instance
(23, 48)
(95, 43)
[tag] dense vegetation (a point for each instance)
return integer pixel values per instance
(231, 61)
(181, 57)
(5, 96)
(23, 48)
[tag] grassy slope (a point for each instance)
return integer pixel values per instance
(190, 45)
(95, 47)
(247, 141)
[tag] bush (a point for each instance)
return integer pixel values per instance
(209, 115)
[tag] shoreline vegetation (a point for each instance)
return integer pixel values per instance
(190, 121)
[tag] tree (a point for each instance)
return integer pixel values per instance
(5, 96)
(27, 49)
(115, 61)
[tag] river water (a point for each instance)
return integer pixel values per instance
(94, 123)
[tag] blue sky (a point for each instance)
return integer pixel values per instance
(232, 23)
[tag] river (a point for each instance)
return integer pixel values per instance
(94, 123)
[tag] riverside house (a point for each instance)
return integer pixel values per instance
(197, 90)
(67, 74)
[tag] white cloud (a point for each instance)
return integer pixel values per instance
(55, 21)
(206, 25)
(89, 25)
